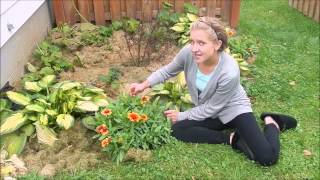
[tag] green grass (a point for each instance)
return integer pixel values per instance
(289, 52)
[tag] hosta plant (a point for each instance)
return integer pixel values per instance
(131, 122)
(182, 27)
(173, 92)
(44, 106)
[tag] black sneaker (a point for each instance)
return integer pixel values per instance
(285, 122)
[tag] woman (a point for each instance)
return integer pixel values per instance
(213, 80)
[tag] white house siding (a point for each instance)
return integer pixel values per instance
(18, 48)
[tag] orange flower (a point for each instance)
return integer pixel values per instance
(134, 117)
(144, 117)
(144, 99)
(105, 142)
(106, 112)
(102, 129)
(229, 32)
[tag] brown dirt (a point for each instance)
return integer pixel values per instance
(76, 148)
(98, 60)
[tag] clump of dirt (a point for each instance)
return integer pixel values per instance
(75, 149)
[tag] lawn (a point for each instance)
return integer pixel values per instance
(286, 79)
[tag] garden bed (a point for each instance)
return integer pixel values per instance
(75, 148)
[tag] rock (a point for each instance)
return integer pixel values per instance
(48, 170)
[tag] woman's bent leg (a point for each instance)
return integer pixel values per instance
(264, 147)
(206, 131)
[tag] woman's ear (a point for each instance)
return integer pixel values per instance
(217, 45)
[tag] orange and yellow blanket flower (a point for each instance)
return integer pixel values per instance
(134, 117)
(105, 142)
(102, 129)
(106, 112)
(144, 99)
(144, 117)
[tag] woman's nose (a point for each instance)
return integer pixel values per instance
(194, 48)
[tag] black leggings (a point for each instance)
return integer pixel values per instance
(261, 147)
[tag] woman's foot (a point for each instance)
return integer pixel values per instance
(284, 122)
(270, 120)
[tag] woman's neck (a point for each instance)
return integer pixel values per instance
(208, 66)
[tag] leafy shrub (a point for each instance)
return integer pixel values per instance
(131, 122)
(246, 46)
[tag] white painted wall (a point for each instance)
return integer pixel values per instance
(31, 22)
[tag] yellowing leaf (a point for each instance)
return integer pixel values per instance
(192, 17)
(65, 120)
(178, 28)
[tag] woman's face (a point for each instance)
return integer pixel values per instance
(203, 47)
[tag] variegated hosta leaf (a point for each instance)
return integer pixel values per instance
(43, 119)
(183, 19)
(12, 123)
(192, 17)
(186, 98)
(65, 120)
(35, 107)
(66, 85)
(13, 143)
(47, 80)
(51, 112)
(181, 79)
(18, 98)
(45, 134)
(87, 106)
(101, 102)
(28, 129)
(32, 86)
(94, 89)
(31, 68)
(178, 28)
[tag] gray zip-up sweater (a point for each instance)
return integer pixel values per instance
(223, 97)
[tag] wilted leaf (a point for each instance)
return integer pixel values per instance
(307, 152)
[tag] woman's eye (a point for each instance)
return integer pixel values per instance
(201, 43)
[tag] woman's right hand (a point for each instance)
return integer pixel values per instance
(136, 88)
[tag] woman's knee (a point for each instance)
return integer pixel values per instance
(267, 158)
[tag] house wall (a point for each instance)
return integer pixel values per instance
(17, 50)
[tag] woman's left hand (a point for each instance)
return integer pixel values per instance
(172, 115)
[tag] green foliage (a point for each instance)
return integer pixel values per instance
(166, 17)
(173, 94)
(132, 122)
(247, 46)
(97, 36)
(50, 61)
(182, 27)
(50, 107)
(130, 25)
(112, 76)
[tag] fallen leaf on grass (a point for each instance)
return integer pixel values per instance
(307, 153)
(292, 83)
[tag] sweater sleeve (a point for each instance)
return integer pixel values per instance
(170, 70)
(223, 94)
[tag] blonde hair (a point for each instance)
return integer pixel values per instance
(214, 28)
